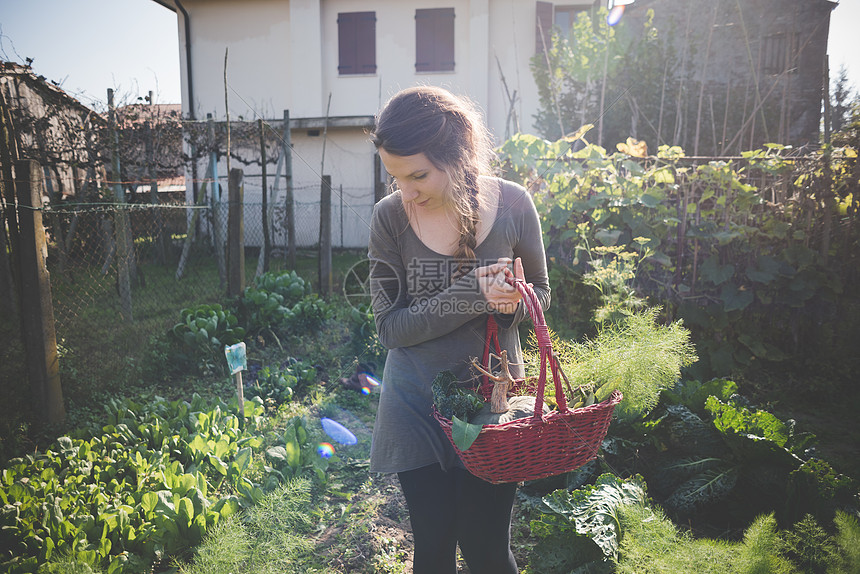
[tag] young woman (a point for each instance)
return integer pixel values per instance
(440, 249)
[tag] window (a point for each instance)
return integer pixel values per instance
(565, 16)
(434, 40)
(543, 26)
(562, 18)
(774, 54)
(356, 42)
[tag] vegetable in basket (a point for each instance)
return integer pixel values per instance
(454, 400)
(503, 409)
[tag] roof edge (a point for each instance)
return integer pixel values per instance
(169, 5)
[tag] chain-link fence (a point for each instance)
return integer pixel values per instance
(177, 260)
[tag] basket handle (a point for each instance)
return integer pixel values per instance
(544, 344)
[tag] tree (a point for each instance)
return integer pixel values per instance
(841, 101)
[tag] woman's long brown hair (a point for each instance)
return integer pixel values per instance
(450, 132)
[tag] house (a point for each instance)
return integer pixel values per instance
(54, 129)
(292, 54)
(68, 139)
(753, 71)
(333, 64)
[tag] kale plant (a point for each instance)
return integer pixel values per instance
(452, 399)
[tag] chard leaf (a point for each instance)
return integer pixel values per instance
(706, 487)
(592, 510)
(464, 433)
(148, 501)
(730, 419)
(277, 453)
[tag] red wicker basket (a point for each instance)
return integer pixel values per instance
(541, 445)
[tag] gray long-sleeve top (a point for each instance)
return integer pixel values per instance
(430, 324)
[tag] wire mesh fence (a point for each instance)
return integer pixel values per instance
(177, 260)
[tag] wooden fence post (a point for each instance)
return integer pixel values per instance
(236, 235)
(123, 232)
(288, 178)
(263, 261)
(325, 277)
(37, 311)
(215, 199)
(10, 283)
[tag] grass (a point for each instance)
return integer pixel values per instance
(272, 537)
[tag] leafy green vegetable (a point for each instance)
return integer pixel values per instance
(199, 338)
(151, 483)
(693, 394)
(464, 433)
(704, 487)
(591, 514)
(452, 399)
(731, 419)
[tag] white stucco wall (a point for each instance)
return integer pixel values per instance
(283, 54)
(259, 67)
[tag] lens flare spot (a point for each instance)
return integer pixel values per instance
(371, 380)
(365, 391)
(614, 16)
(325, 450)
(337, 431)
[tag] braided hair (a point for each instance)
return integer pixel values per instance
(450, 132)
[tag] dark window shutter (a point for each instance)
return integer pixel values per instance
(543, 26)
(356, 36)
(434, 40)
(346, 33)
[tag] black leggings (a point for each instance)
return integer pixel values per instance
(455, 506)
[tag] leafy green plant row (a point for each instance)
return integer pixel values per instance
(611, 526)
(747, 253)
(149, 485)
(710, 457)
(277, 305)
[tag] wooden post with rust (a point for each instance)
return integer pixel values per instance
(236, 235)
(290, 203)
(265, 248)
(325, 273)
(37, 311)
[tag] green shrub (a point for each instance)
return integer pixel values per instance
(809, 546)
(280, 384)
(280, 304)
(637, 356)
(651, 543)
(198, 340)
(287, 284)
(848, 540)
(309, 313)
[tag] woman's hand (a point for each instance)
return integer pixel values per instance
(501, 297)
